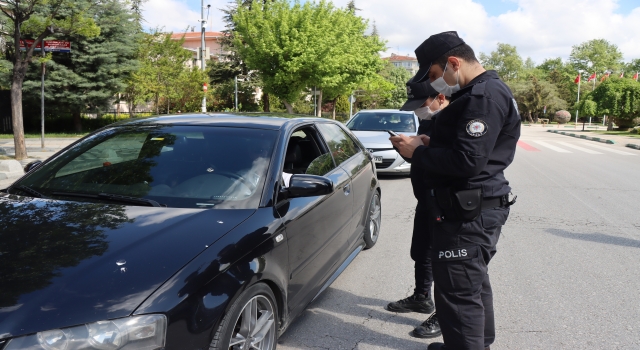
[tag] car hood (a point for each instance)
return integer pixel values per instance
(68, 263)
(376, 139)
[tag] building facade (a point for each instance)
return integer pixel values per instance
(407, 62)
(192, 42)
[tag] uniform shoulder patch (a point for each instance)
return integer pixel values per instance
(515, 104)
(477, 128)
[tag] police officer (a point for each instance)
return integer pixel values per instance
(426, 102)
(472, 142)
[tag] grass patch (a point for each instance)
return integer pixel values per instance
(617, 133)
(5, 157)
(46, 136)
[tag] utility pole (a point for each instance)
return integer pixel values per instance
(203, 25)
(236, 99)
(42, 96)
(578, 107)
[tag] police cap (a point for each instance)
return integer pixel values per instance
(433, 48)
(417, 94)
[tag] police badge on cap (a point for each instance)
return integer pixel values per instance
(477, 128)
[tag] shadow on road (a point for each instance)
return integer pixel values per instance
(320, 325)
(597, 238)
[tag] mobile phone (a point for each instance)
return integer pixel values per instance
(392, 133)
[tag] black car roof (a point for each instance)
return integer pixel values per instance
(257, 121)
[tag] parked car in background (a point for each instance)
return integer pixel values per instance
(182, 232)
(370, 126)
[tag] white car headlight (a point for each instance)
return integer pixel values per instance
(145, 332)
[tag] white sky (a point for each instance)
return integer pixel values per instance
(538, 28)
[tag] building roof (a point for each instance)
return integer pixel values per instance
(190, 36)
(395, 57)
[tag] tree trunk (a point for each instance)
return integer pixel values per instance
(609, 123)
(288, 106)
(157, 103)
(168, 106)
(319, 103)
(266, 107)
(77, 121)
(333, 111)
(529, 119)
(16, 112)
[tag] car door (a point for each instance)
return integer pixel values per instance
(316, 227)
(357, 164)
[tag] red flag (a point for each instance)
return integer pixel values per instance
(577, 79)
(593, 76)
(622, 75)
(635, 77)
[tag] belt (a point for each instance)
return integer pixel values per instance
(496, 202)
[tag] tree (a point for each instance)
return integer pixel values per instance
(38, 19)
(398, 77)
(305, 45)
(632, 67)
(596, 55)
(505, 60)
(562, 76)
(97, 68)
(619, 98)
(533, 95)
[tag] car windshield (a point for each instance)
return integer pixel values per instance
(175, 166)
(382, 121)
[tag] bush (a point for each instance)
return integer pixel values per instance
(562, 117)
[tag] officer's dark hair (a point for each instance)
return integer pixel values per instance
(436, 95)
(463, 51)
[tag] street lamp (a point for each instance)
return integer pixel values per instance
(203, 26)
(242, 78)
(577, 103)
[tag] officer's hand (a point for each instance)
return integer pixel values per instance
(405, 144)
(425, 139)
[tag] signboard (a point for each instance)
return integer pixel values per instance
(49, 45)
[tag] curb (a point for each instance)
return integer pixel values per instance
(634, 146)
(585, 137)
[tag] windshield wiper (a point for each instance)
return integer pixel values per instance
(29, 190)
(111, 197)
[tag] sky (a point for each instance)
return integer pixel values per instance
(538, 28)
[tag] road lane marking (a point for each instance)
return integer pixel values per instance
(552, 147)
(612, 150)
(586, 150)
(527, 147)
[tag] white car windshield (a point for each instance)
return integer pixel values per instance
(383, 121)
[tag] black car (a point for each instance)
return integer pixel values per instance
(182, 232)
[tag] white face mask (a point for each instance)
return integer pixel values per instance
(425, 113)
(442, 87)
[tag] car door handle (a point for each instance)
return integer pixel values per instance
(347, 189)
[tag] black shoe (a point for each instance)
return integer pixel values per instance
(416, 303)
(440, 346)
(428, 329)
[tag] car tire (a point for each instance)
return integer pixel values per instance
(374, 220)
(252, 320)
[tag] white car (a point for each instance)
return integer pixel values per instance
(370, 126)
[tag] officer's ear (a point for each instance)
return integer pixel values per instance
(454, 62)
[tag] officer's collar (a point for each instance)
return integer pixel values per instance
(484, 76)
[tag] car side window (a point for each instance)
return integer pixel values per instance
(306, 154)
(342, 146)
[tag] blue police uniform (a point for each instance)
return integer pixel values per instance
(473, 140)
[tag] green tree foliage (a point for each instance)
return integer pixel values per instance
(165, 76)
(295, 46)
(563, 76)
(619, 98)
(505, 60)
(397, 77)
(96, 70)
(588, 108)
(632, 67)
(37, 19)
(532, 95)
(596, 55)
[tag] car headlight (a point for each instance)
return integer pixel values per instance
(145, 332)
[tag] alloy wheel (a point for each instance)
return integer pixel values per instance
(255, 327)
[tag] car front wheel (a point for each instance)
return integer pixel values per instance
(374, 220)
(250, 323)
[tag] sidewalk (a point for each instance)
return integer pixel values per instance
(34, 151)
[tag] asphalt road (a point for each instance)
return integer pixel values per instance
(566, 275)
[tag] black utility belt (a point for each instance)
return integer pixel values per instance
(465, 205)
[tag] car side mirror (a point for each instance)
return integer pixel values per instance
(304, 185)
(32, 166)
